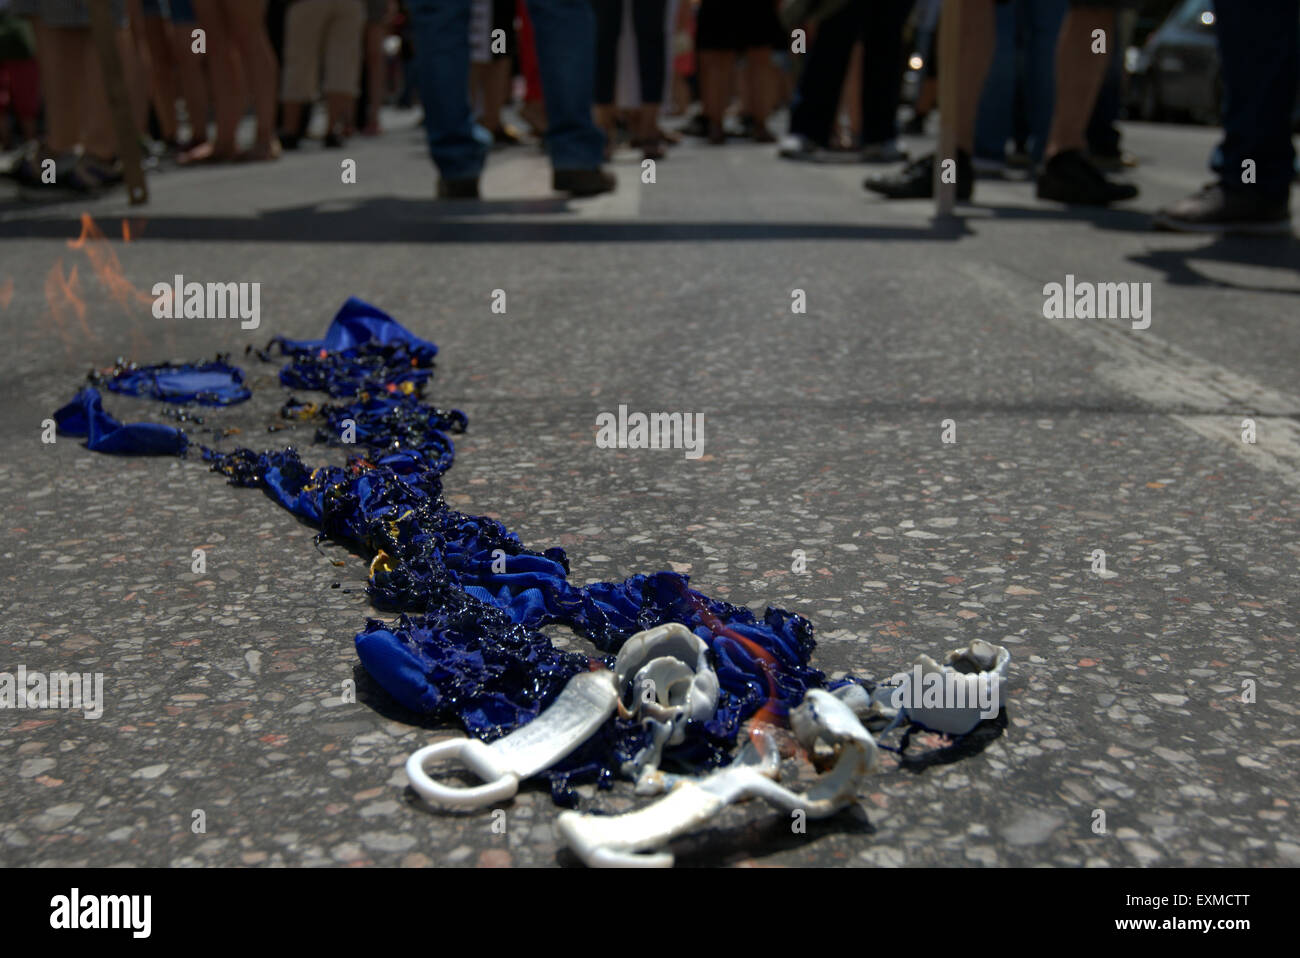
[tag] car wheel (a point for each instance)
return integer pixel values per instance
(1152, 109)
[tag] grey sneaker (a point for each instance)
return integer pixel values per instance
(796, 146)
(1216, 210)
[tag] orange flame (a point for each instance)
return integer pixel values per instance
(769, 713)
(63, 296)
(107, 266)
(131, 229)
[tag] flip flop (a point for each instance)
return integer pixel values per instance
(202, 154)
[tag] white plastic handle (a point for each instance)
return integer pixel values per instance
(498, 786)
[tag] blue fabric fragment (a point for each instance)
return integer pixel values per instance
(358, 323)
(85, 416)
(215, 383)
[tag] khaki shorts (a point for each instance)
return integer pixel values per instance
(320, 32)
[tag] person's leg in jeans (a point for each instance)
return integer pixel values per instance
(1040, 24)
(1258, 45)
(458, 145)
(1259, 51)
(566, 36)
(995, 122)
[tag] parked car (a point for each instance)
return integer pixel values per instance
(1175, 75)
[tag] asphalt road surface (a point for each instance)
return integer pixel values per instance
(1151, 717)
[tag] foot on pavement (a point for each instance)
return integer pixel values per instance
(915, 181)
(583, 182)
(1069, 178)
(1216, 210)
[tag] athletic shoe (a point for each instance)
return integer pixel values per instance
(916, 180)
(1069, 178)
(583, 182)
(1216, 210)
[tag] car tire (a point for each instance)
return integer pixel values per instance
(1153, 111)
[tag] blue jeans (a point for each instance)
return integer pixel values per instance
(565, 31)
(1259, 51)
(1025, 59)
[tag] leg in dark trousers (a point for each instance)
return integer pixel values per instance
(1258, 47)
(1259, 50)
(882, 68)
(609, 24)
(818, 97)
(649, 19)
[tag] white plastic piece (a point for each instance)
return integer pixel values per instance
(672, 663)
(967, 678)
(582, 706)
(634, 839)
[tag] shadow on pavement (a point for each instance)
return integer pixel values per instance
(1271, 252)
(768, 834)
(398, 220)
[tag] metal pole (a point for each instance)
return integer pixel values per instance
(945, 194)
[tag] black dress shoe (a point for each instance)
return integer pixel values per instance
(461, 189)
(583, 182)
(1069, 178)
(916, 180)
(1216, 210)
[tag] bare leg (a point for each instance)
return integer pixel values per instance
(291, 116)
(978, 41)
(716, 70)
(376, 91)
(247, 21)
(157, 32)
(496, 90)
(98, 136)
(227, 96)
(758, 70)
(1079, 75)
(58, 52)
(340, 107)
(851, 95)
(194, 84)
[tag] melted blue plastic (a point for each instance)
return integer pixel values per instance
(215, 383)
(468, 646)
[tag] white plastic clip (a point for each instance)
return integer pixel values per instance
(582, 706)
